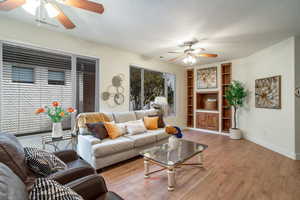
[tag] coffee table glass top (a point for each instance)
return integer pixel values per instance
(173, 153)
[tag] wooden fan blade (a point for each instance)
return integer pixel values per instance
(176, 58)
(64, 20)
(174, 52)
(210, 55)
(86, 5)
(11, 4)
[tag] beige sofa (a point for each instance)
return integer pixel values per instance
(102, 153)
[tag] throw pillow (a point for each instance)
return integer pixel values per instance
(136, 127)
(47, 189)
(151, 123)
(98, 130)
(161, 123)
(43, 162)
(113, 130)
(122, 127)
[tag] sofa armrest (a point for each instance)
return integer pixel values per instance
(90, 187)
(84, 147)
(67, 155)
(68, 175)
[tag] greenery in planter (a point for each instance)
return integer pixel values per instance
(235, 95)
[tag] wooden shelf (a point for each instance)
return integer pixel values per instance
(226, 109)
(190, 95)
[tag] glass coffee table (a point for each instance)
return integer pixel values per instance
(171, 155)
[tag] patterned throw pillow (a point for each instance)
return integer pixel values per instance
(43, 162)
(136, 127)
(47, 189)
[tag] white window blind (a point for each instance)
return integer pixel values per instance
(19, 99)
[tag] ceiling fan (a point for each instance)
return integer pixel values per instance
(51, 8)
(190, 55)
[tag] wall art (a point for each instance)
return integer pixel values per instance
(268, 92)
(207, 78)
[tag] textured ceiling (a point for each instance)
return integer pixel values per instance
(230, 28)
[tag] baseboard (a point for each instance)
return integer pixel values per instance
(206, 131)
(273, 147)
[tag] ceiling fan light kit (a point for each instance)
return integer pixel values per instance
(189, 55)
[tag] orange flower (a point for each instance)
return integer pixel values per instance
(70, 110)
(62, 114)
(39, 110)
(55, 103)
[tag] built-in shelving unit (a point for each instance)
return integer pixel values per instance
(225, 108)
(190, 97)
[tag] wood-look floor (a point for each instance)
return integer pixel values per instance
(234, 170)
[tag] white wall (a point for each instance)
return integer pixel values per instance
(297, 99)
(112, 60)
(271, 128)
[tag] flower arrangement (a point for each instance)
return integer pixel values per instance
(55, 112)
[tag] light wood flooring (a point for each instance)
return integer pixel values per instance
(234, 170)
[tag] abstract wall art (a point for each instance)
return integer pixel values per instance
(207, 78)
(268, 92)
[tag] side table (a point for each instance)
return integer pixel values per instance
(69, 137)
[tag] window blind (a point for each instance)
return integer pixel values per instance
(19, 100)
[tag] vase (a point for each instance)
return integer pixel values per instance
(235, 134)
(57, 130)
(173, 142)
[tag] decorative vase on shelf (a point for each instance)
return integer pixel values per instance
(57, 131)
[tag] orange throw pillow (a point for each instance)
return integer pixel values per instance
(151, 123)
(113, 130)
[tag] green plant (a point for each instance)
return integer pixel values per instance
(235, 96)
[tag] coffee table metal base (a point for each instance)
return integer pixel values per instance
(170, 169)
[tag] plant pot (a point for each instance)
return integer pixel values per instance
(235, 133)
(173, 142)
(57, 131)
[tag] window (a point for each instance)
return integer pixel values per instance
(56, 77)
(146, 84)
(22, 75)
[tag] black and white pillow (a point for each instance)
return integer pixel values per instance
(47, 189)
(43, 162)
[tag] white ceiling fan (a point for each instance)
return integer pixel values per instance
(189, 55)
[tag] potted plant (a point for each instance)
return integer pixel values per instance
(57, 114)
(235, 96)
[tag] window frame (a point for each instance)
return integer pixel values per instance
(57, 83)
(13, 65)
(165, 84)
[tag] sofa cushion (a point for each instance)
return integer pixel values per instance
(121, 117)
(140, 114)
(142, 139)
(151, 112)
(12, 155)
(109, 115)
(159, 133)
(11, 186)
(111, 146)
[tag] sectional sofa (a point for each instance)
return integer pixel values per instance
(102, 153)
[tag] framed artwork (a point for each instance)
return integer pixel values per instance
(268, 92)
(207, 78)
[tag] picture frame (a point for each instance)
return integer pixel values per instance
(268, 92)
(207, 78)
